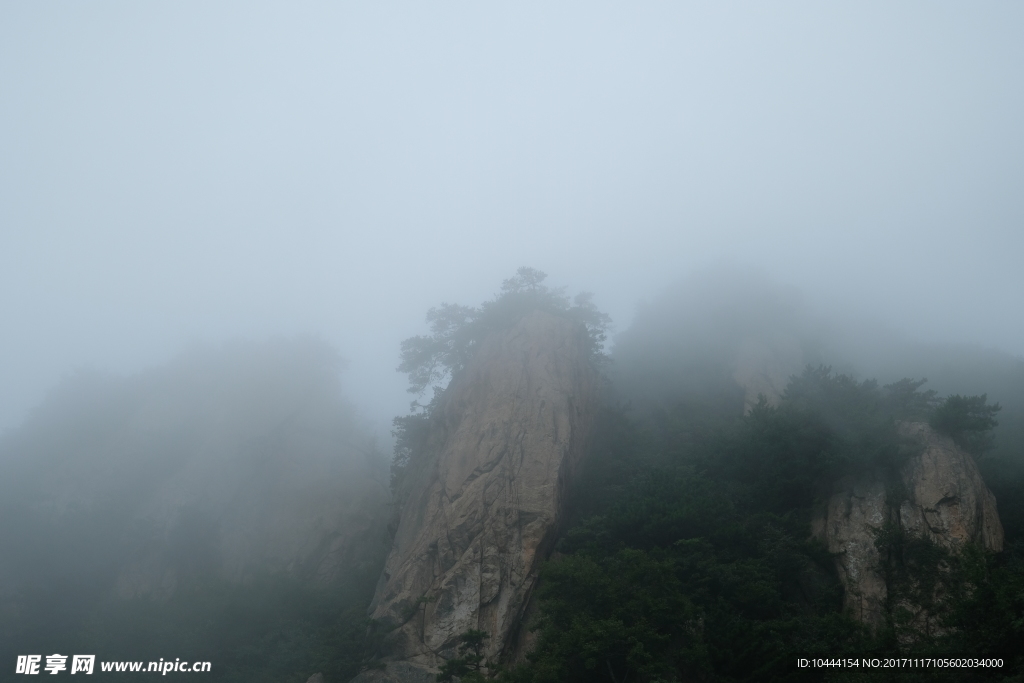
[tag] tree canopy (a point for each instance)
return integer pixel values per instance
(969, 420)
(456, 331)
(691, 557)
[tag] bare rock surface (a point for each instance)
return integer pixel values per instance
(484, 512)
(848, 527)
(949, 502)
(946, 501)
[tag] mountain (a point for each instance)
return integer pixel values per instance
(485, 501)
(177, 491)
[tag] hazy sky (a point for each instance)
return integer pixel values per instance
(196, 171)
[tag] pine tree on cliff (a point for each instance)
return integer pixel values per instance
(456, 331)
(969, 420)
(469, 665)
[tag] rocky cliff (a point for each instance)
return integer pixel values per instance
(484, 510)
(943, 499)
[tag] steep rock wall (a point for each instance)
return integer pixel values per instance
(484, 512)
(945, 500)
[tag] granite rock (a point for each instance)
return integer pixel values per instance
(483, 513)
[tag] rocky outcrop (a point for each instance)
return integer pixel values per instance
(948, 501)
(849, 525)
(485, 510)
(944, 500)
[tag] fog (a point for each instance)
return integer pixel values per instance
(196, 173)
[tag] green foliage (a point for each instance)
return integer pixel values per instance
(77, 488)
(969, 420)
(456, 331)
(616, 617)
(272, 629)
(907, 401)
(418, 607)
(691, 557)
(917, 575)
(411, 433)
(986, 612)
(455, 334)
(1005, 477)
(468, 666)
(969, 602)
(827, 426)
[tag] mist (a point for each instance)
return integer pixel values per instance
(796, 235)
(173, 175)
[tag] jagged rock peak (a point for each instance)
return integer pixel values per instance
(945, 500)
(484, 512)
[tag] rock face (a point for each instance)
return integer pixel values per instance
(848, 527)
(949, 502)
(946, 501)
(485, 510)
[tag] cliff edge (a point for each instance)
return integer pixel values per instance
(484, 511)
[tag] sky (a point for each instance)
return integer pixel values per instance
(182, 173)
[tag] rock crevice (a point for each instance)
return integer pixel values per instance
(943, 499)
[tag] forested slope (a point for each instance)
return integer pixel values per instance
(693, 556)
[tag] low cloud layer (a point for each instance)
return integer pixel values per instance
(178, 174)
